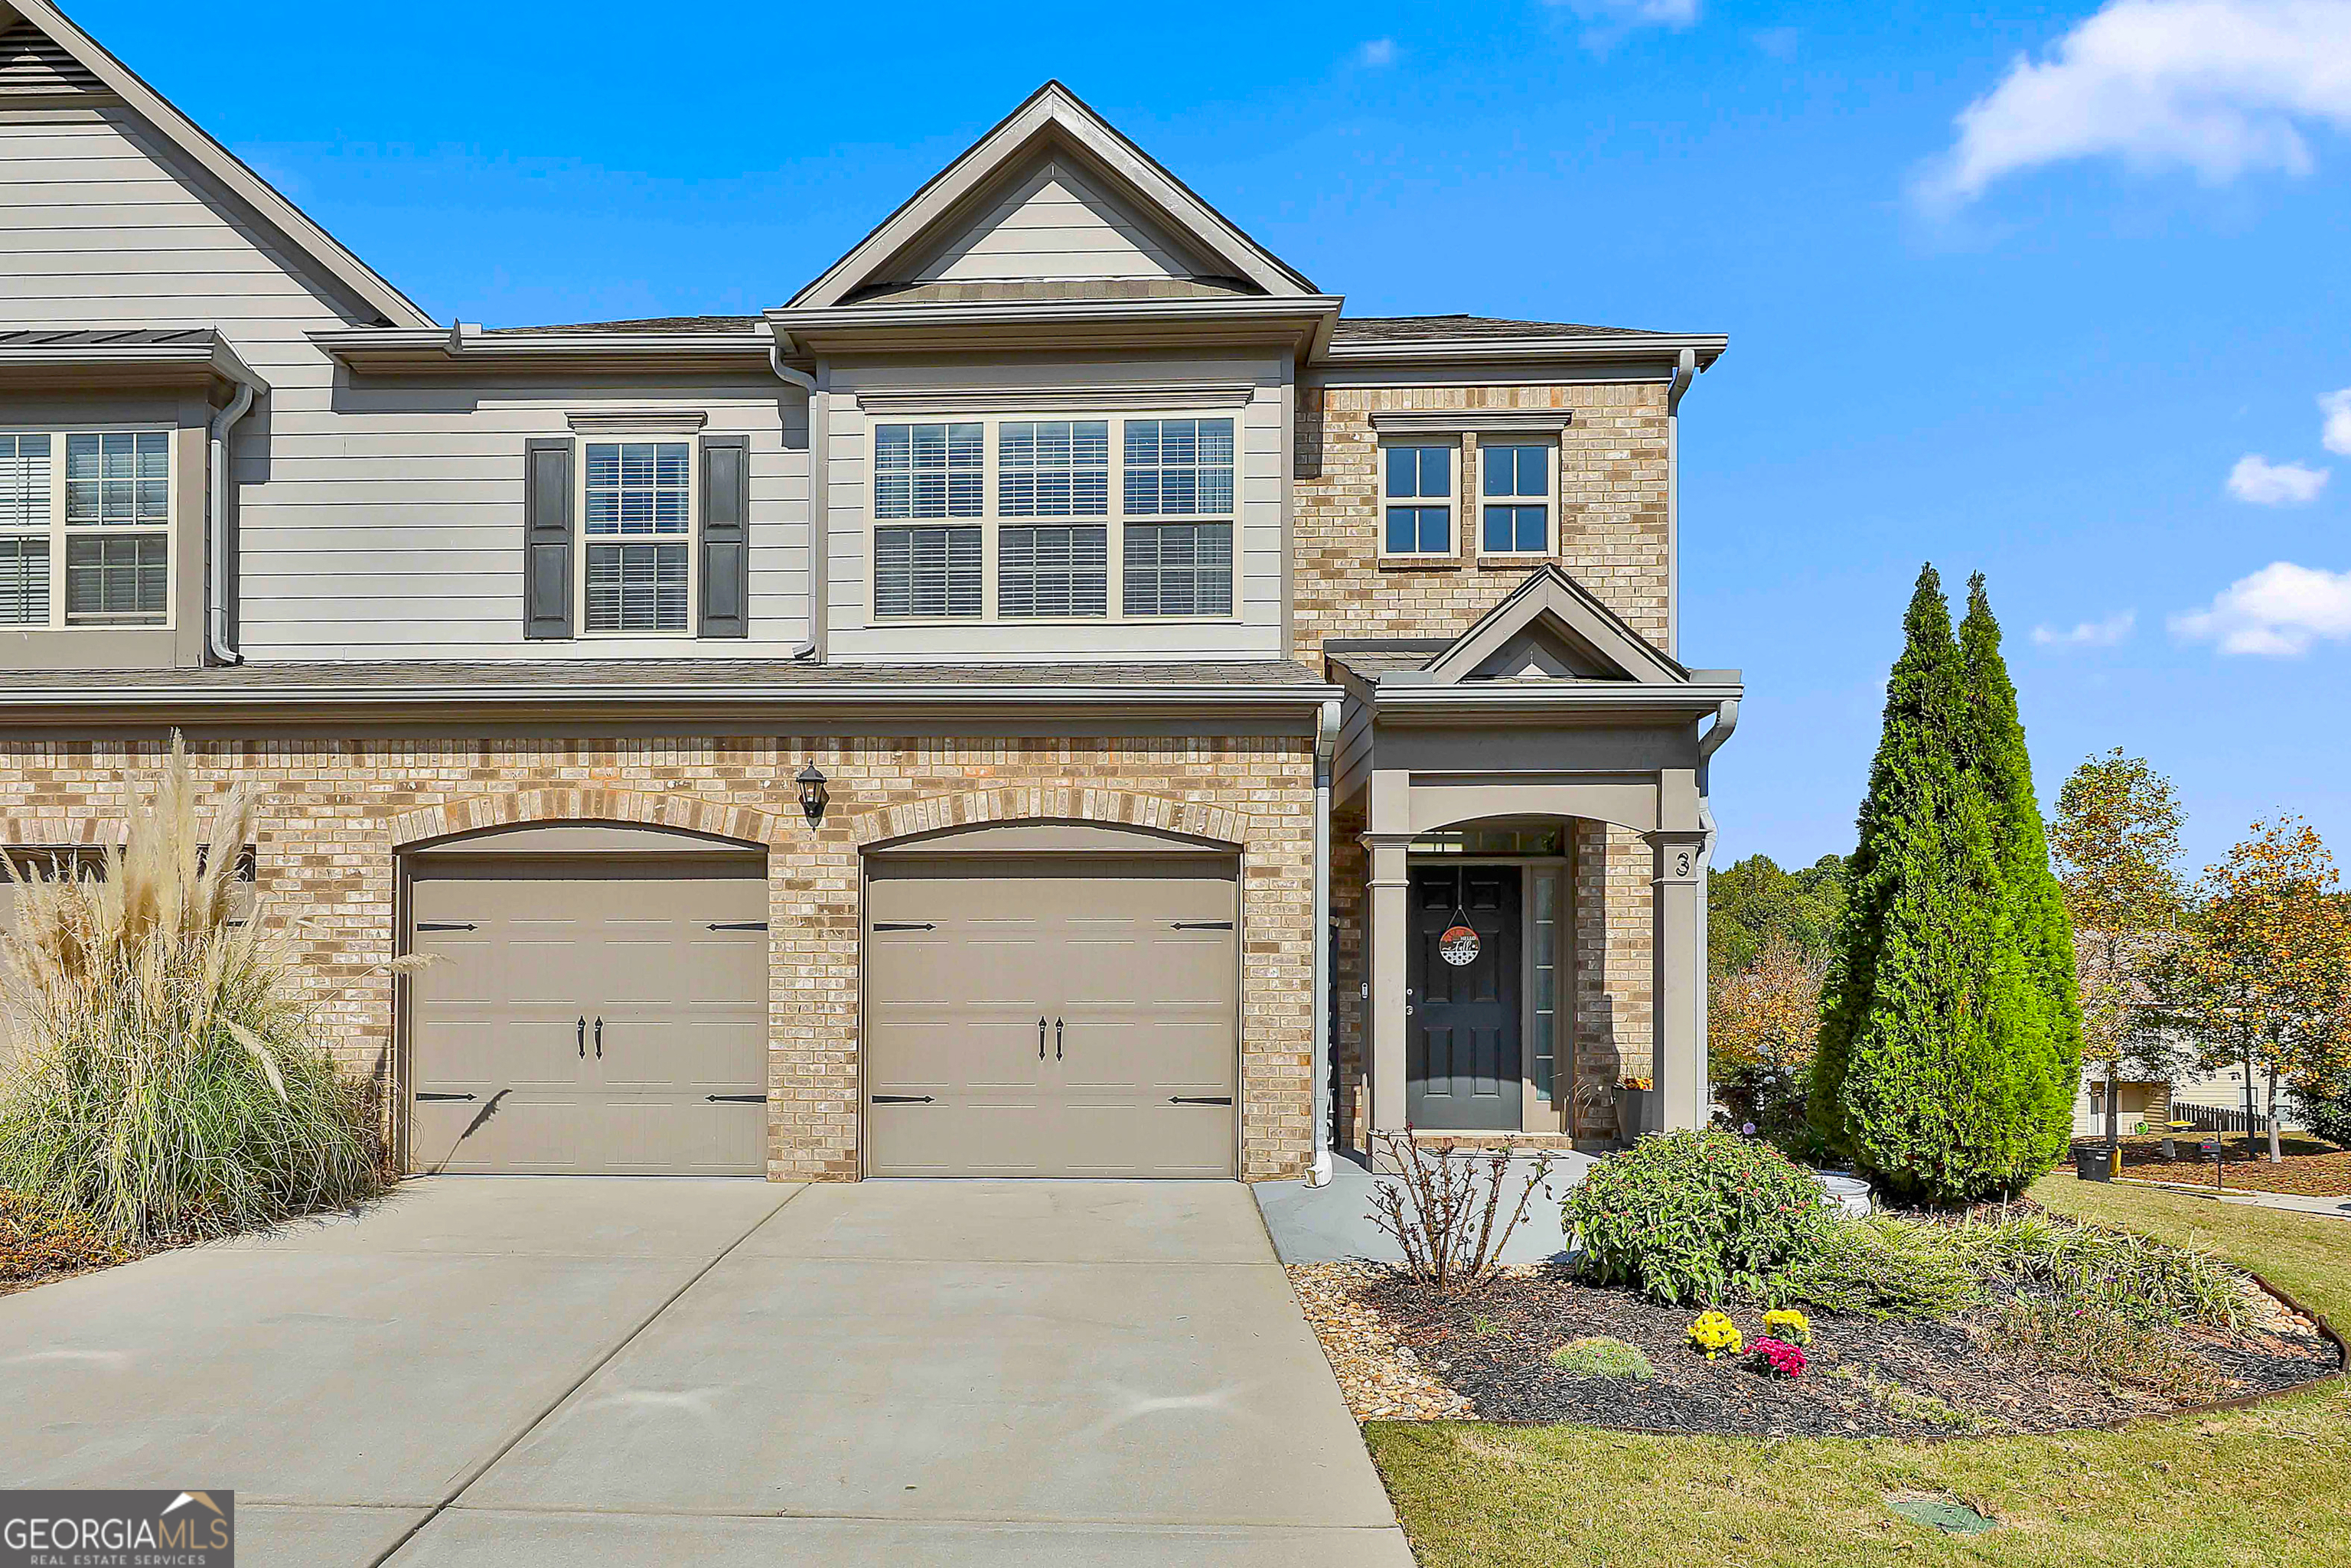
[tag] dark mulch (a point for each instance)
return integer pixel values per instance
(1900, 1379)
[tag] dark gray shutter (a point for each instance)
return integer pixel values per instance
(547, 537)
(726, 536)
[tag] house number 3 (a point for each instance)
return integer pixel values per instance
(1682, 863)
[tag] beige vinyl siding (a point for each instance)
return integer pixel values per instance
(1254, 629)
(1052, 222)
(377, 521)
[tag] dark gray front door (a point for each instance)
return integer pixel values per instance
(1463, 1065)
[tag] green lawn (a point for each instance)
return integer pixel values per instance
(2261, 1487)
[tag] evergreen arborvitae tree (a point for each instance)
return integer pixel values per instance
(1915, 1074)
(2037, 921)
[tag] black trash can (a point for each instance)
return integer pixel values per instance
(2090, 1163)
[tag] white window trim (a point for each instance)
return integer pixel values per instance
(1451, 556)
(691, 539)
(1547, 500)
(59, 532)
(991, 522)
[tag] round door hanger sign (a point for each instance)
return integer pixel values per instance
(1459, 946)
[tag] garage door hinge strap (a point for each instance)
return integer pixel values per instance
(902, 1100)
(445, 926)
(1199, 1100)
(738, 926)
(1204, 926)
(738, 1099)
(904, 926)
(428, 1095)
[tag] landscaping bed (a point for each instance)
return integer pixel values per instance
(1412, 1354)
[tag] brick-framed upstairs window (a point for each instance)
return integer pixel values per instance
(1515, 492)
(1416, 499)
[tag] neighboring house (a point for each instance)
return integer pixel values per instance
(2152, 1101)
(942, 725)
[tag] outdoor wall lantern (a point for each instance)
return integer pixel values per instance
(813, 795)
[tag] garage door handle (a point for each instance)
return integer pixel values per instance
(428, 1095)
(1199, 1100)
(445, 926)
(1057, 1040)
(902, 1100)
(904, 926)
(599, 1040)
(1204, 926)
(737, 1099)
(738, 926)
(1041, 1040)
(583, 1037)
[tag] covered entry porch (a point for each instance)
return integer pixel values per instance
(1526, 928)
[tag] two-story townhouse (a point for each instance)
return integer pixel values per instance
(1054, 696)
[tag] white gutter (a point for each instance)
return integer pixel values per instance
(1326, 744)
(217, 577)
(1726, 720)
(1685, 373)
(807, 384)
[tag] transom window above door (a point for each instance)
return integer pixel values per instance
(1417, 484)
(1043, 499)
(640, 545)
(1517, 489)
(85, 541)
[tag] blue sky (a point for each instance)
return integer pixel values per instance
(2019, 294)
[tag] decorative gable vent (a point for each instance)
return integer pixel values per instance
(34, 64)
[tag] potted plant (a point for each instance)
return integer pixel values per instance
(1632, 1107)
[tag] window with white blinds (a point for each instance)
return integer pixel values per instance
(639, 517)
(1030, 488)
(85, 528)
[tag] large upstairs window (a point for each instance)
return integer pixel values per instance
(640, 537)
(1417, 487)
(85, 528)
(1014, 518)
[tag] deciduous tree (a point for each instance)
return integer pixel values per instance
(2116, 838)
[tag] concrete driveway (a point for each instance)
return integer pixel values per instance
(485, 1370)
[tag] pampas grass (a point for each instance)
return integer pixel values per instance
(167, 1082)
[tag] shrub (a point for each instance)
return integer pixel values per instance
(37, 1241)
(168, 1083)
(1597, 1356)
(1702, 1216)
(1883, 1268)
(1441, 1208)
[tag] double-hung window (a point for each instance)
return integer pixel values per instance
(1417, 485)
(85, 541)
(1056, 469)
(1022, 518)
(1178, 493)
(1517, 489)
(925, 564)
(640, 537)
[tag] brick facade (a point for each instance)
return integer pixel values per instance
(336, 812)
(1610, 534)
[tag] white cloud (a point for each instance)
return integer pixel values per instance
(2218, 86)
(1612, 20)
(2107, 633)
(2267, 484)
(2277, 612)
(2337, 434)
(1377, 52)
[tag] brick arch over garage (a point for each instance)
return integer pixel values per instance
(1112, 808)
(747, 825)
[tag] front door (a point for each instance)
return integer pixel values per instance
(1463, 1064)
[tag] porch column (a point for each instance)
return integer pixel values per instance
(1678, 981)
(1384, 969)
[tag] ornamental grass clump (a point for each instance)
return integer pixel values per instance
(1697, 1216)
(167, 1082)
(1599, 1355)
(1884, 1267)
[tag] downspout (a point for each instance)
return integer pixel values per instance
(807, 383)
(216, 582)
(1726, 720)
(1685, 373)
(1326, 743)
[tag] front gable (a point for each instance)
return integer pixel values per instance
(1551, 628)
(1053, 196)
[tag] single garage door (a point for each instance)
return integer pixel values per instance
(1050, 1017)
(598, 1016)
